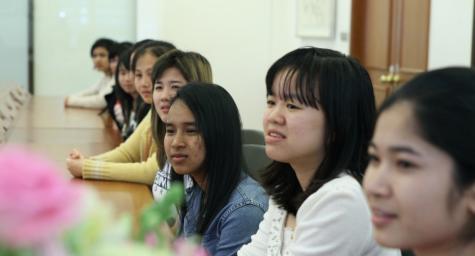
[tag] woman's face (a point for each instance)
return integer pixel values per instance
(410, 186)
(143, 76)
(126, 81)
(183, 143)
(294, 133)
(165, 89)
(100, 58)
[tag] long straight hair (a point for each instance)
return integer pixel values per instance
(218, 122)
(340, 87)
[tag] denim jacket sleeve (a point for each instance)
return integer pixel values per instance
(237, 225)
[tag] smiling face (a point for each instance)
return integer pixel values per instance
(183, 143)
(410, 186)
(143, 76)
(294, 133)
(165, 89)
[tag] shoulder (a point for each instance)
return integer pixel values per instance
(342, 193)
(248, 194)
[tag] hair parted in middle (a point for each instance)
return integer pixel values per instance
(218, 122)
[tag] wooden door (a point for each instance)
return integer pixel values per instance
(390, 38)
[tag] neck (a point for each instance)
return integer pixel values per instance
(305, 169)
(200, 180)
(465, 249)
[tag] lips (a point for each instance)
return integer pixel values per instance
(145, 93)
(382, 218)
(165, 109)
(274, 136)
(178, 158)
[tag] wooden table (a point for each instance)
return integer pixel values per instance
(45, 126)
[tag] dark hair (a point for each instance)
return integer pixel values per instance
(118, 48)
(194, 67)
(340, 87)
(103, 42)
(443, 102)
(125, 98)
(218, 122)
(157, 48)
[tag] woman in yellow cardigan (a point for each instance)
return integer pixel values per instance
(135, 160)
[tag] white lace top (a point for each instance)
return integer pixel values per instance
(335, 220)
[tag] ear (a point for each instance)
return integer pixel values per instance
(470, 196)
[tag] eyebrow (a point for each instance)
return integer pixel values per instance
(398, 149)
(185, 123)
(292, 97)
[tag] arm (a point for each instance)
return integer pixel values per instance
(140, 172)
(128, 162)
(130, 150)
(92, 89)
(237, 227)
(259, 241)
(93, 99)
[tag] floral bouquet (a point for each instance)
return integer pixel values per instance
(41, 213)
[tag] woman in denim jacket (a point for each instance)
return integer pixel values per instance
(203, 141)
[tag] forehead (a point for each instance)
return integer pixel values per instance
(397, 123)
(146, 59)
(180, 113)
(100, 49)
(398, 126)
(172, 73)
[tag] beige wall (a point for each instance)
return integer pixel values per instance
(242, 38)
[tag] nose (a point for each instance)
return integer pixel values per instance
(178, 141)
(275, 115)
(377, 180)
(167, 94)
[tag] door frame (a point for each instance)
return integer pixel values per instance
(473, 37)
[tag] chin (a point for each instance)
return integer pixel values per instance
(276, 156)
(389, 242)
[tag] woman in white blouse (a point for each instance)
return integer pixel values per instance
(319, 119)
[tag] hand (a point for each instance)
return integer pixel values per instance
(75, 166)
(75, 154)
(66, 101)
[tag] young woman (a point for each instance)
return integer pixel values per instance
(135, 159)
(318, 121)
(172, 71)
(94, 97)
(420, 181)
(203, 140)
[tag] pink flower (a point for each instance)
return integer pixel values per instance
(187, 247)
(36, 202)
(151, 239)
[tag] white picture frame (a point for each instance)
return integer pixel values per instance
(316, 18)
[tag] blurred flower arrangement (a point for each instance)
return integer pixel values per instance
(41, 213)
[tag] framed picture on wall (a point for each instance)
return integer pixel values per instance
(316, 18)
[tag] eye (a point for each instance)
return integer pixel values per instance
(158, 87)
(373, 158)
(176, 86)
(404, 164)
(270, 103)
(191, 130)
(169, 130)
(292, 106)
